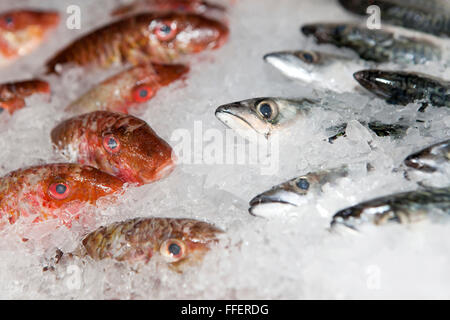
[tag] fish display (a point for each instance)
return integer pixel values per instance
(292, 194)
(119, 144)
(430, 159)
(326, 70)
(180, 242)
(13, 94)
(194, 6)
(375, 45)
(22, 31)
(264, 116)
(432, 20)
(401, 88)
(143, 38)
(404, 207)
(128, 88)
(52, 191)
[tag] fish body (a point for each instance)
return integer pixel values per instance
(128, 88)
(22, 31)
(53, 191)
(289, 196)
(116, 143)
(143, 38)
(400, 87)
(431, 20)
(192, 6)
(405, 207)
(262, 115)
(394, 130)
(375, 45)
(430, 159)
(325, 70)
(179, 242)
(13, 94)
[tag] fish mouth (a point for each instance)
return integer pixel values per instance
(170, 72)
(369, 81)
(416, 163)
(238, 118)
(272, 203)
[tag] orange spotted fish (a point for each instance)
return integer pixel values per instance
(143, 38)
(128, 88)
(22, 31)
(116, 143)
(13, 94)
(194, 6)
(52, 191)
(180, 242)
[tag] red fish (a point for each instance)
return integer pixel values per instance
(128, 88)
(53, 191)
(21, 31)
(194, 6)
(13, 94)
(116, 143)
(143, 38)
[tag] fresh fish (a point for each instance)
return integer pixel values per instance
(22, 31)
(262, 115)
(395, 130)
(133, 86)
(431, 159)
(119, 144)
(400, 87)
(325, 70)
(53, 191)
(291, 194)
(434, 21)
(143, 38)
(375, 45)
(405, 207)
(180, 242)
(194, 6)
(13, 94)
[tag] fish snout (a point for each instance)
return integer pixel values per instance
(170, 72)
(272, 202)
(309, 29)
(50, 19)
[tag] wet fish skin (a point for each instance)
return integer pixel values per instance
(263, 115)
(374, 45)
(395, 130)
(291, 193)
(116, 143)
(128, 88)
(22, 31)
(13, 94)
(400, 87)
(193, 6)
(431, 158)
(143, 38)
(33, 192)
(324, 69)
(405, 207)
(181, 242)
(436, 22)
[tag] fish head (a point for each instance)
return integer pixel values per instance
(325, 32)
(187, 33)
(186, 241)
(296, 64)
(261, 115)
(430, 159)
(380, 83)
(66, 185)
(130, 149)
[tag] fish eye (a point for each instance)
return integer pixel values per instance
(165, 31)
(9, 20)
(111, 144)
(308, 57)
(143, 93)
(173, 249)
(267, 109)
(302, 184)
(59, 190)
